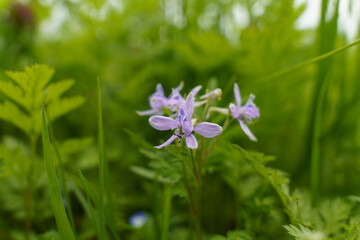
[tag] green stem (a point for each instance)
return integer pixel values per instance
(29, 188)
(166, 213)
(193, 209)
(62, 175)
(310, 61)
(197, 219)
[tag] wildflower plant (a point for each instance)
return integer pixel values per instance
(185, 123)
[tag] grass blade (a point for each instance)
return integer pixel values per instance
(327, 36)
(166, 213)
(106, 216)
(102, 164)
(62, 220)
(62, 174)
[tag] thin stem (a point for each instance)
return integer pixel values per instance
(166, 213)
(192, 157)
(29, 188)
(311, 61)
(189, 192)
(197, 219)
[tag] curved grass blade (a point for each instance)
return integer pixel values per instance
(309, 62)
(62, 174)
(62, 220)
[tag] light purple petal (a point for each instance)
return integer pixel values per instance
(234, 110)
(162, 123)
(191, 141)
(247, 131)
(251, 99)
(189, 105)
(168, 142)
(187, 128)
(160, 90)
(149, 112)
(157, 102)
(237, 94)
(207, 129)
(195, 90)
(180, 86)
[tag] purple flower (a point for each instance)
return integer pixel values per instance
(245, 113)
(138, 219)
(183, 125)
(159, 102)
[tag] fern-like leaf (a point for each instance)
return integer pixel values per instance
(63, 106)
(10, 112)
(56, 90)
(26, 93)
(304, 233)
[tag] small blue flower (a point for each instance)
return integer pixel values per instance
(158, 101)
(244, 113)
(138, 219)
(183, 125)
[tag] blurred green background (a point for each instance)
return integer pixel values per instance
(131, 45)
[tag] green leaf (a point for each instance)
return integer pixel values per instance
(139, 140)
(276, 178)
(60, 107)
(334, 213)
(75, 145)
(10, 112)
(239, 235)
(304, 233)
(56, 90)
(149, 174)
(27, 92)
(89, 190)
(180, 153)
(352, 232)
(106, 213)
(55, 196)
(15, 93)
(51, 235)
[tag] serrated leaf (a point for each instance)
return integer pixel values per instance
(35, 77)
(55, 90)
(334, 213)
(11, 113)
(139, 140)
(62, 106)
(75, 145)
(304, 233)
(149, 174)
(239, 235)
(180, 153)
(352, 232)
(15, 93)
(274, 177)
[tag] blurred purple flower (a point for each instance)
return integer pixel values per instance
(159, 102)
(183, 125)
(244, 113)
(138, 219)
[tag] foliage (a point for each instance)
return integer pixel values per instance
(306, 86)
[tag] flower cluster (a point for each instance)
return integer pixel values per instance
(183, 123)
(160, 104)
